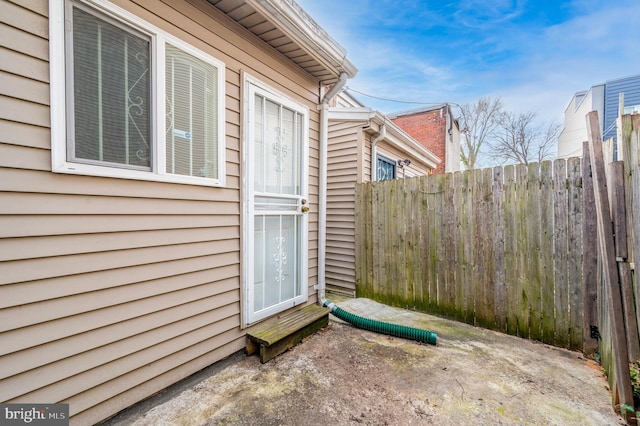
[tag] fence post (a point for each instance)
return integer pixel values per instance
(610, 273)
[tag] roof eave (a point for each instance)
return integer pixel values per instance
(304, 31)
(394, 133)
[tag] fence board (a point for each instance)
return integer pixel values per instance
(500, 294)
(467, 238)
(393, 232)
(378, 209)
(362, 245)
(398, 242)
(458, 213)
(423, 287)
(439, 243)
(589, 257)
(475, 240)
(432, 249)
(446, 261)
(412, 236)
(574, 256)
(546, 252)
(561, 293)
(522, 244)
(533, 281)
(510, 246)
(630, 147)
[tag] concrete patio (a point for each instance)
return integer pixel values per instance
(343, 375)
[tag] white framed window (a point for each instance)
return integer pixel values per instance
(131, 101)
(386, 168)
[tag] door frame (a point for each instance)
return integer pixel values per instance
(247, 194)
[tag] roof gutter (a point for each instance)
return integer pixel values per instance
(322, 196)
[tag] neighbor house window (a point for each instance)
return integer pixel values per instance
(138, 103)
(386, 168)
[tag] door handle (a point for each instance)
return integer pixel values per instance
(304, 209)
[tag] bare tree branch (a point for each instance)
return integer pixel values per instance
(521, 139)
(478, 122)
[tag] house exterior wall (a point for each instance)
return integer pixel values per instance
(436, 130)
(345, 169)
(630, 86)
(603, 98)
(113, 289)
(575, 129)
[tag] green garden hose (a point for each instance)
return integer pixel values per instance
(383, 327)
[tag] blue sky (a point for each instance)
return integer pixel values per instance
(533, 54)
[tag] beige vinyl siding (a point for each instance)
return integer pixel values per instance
(344, 170)
(112, 289)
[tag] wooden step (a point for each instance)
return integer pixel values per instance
(277, 335)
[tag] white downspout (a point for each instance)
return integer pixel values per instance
(374, 165)
(322, 196)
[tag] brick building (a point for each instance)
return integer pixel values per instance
(437, 130)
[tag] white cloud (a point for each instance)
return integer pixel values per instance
(407, 50)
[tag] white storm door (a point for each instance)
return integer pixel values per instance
(276, 223)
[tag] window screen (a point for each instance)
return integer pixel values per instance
(111, 93)
(192, 110)
(386, 169)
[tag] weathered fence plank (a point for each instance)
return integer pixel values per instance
(510, 248)
(533, 265)
(439, 229)
(574, 257)
(589, 258)
(475, 239)
(561, 249)
(434, 243)
(523, 292)
(399, 243)
(546, 252)
(413, 238)
(634, 194)
(363, 244)
(629, 142)
(446, 265)
(458, 254)
(467, 244)
(500, 293)
(377, 220)
(423, 296)
(487, 265)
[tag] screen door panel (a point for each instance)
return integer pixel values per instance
(278, 205)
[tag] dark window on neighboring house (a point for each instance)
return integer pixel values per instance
(386, 168)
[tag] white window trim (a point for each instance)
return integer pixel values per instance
(59, 163)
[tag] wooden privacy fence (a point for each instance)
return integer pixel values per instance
(500, 248)
(544, 251)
